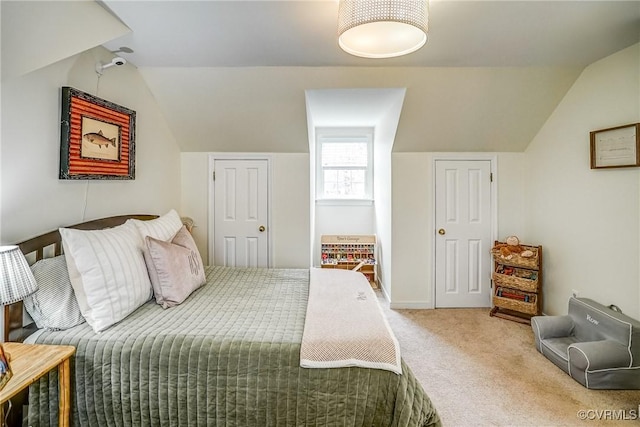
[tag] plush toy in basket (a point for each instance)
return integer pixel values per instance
(511, 247)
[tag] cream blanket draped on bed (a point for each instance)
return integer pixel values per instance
(345, 325)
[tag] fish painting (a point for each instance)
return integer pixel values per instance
(99, 139)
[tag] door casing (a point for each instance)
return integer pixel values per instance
(493, 159)
(211, 199)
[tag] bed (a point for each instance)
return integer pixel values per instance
(228, 355)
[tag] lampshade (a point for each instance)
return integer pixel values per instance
(16, 279)
(382, 28)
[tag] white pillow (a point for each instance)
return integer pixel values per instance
(161, 228)
(107, 272)
(54, 305)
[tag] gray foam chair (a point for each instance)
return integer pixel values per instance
(597, 346)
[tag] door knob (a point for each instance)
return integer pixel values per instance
(261, 228)
(441, 232)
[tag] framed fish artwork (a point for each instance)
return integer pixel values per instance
(97, 138)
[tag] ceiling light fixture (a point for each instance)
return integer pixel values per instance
(382, 28)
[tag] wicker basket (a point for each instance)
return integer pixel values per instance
(516, 260)
(515, 282)
(528, 307)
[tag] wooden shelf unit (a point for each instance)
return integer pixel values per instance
(517, 284)
(349, 252)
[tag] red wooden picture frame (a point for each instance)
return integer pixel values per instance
(97, 138)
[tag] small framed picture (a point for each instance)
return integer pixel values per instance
(5, 368)
(616, 147)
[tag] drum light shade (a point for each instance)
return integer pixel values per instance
(382, 28)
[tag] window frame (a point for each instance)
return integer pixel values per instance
(344, 135)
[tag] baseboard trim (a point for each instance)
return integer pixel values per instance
(385, 294)
(415, 305)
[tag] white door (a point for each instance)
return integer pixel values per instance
(240, 213)
(463, 233)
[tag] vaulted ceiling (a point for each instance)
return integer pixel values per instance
(241, 33)
(231, 75)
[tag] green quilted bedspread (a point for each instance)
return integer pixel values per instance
(228, 356)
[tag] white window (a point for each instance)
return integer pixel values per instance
(344, 164)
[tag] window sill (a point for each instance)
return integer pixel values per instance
(344, 202)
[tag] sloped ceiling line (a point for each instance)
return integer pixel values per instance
(244, 107)
(36, 34)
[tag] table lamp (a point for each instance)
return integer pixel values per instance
(16, 282)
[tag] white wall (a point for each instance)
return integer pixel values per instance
(291, 210)
(445, 108)
(377, 108)
(413, 225)
(34, 200)
(194, 193)
(341, 219)
(311, 129)
(0, 136)
(382, 214)
(40, 33)
(385, 132)
(290, 227)
(411, 250)
(511, 197)
(587, 220)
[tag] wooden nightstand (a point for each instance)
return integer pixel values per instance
(29, 362)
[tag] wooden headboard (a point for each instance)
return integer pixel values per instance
(48, 245)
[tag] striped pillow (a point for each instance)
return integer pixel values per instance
(162, 228)
(53, 306)
(107, 272)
